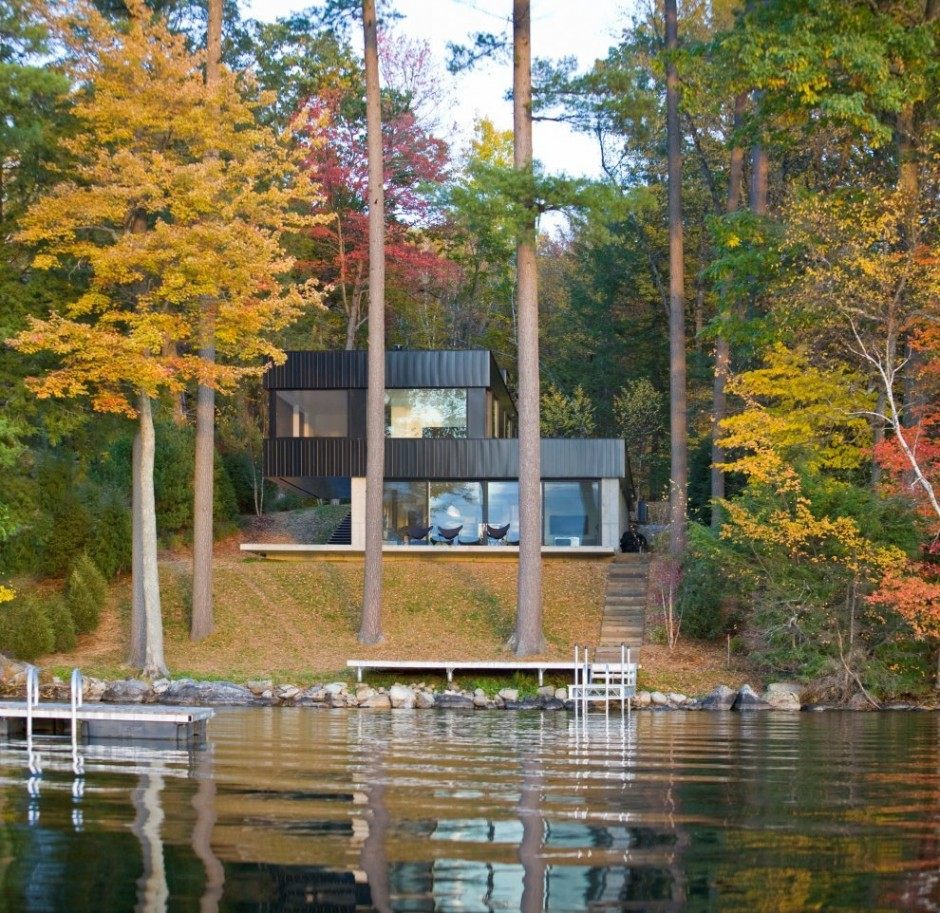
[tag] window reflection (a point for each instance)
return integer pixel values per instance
(572, 514)
(311, 413)
(438, 413)
(456, 504)
(405, 505)
(502, 507)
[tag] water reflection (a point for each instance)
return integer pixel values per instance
(411, 812)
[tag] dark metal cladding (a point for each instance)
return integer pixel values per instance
(419, 458)
(404, 368)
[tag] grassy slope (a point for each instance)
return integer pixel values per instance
(298, 620)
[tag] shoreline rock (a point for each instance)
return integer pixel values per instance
(776, 697)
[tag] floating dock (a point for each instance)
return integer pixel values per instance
(108, 721)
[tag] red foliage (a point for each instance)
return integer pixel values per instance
(913, 592)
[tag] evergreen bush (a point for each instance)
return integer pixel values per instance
(110, 546)
(25, 629)
(86, 594)
(61, 622)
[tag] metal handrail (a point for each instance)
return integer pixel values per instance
(32, 699)
(77, 688)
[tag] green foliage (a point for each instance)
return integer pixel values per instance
(25, 629)
(110, 545)
(65, 524)
(707, 587)
(566, 415)
(86, 593)
(246, 478)
(61, 622)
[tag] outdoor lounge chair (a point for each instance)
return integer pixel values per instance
(497, 533)
(417, 534)
(449, 535)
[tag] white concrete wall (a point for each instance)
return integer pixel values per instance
(358, 511)
(613, 516)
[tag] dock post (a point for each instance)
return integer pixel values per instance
(574, 690)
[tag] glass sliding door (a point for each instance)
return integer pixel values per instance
(571, 513)
(502, 507)
(405, 504)
(454, 504)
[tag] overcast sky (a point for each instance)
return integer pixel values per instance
(581, 28)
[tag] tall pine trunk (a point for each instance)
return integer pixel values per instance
(370, 630)
(204, 470)
(154, 664)
(528, 637)
(722, 347)
(138, 615)
(679, 471)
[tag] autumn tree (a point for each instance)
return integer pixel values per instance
(177, 197)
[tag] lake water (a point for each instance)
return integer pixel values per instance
(316, 810)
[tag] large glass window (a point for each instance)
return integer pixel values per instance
(426, 413)
(572, 513)
(405, 506)
(456, 504)
(311, 413)
(502, 507)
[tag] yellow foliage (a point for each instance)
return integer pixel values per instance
(176, 206)
(6, 594)
(795, 411)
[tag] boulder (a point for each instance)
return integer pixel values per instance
(260, 687)
(402, 697)
(313, 695)
(749, 699)
(187, 692)
(642, 699)
(453, 700)
(509, 694)
(480, 700)
(364, 693)
(526, 703)
(552, 703)
(546, 691)
(287, 694)
(93, 690)
(127, 691)
(376, 702)
(719, 698)
(561, 694)
(424, 700)
(783, 696)
(659, 699)
(676, 698)
(334, 688)
(160, 685)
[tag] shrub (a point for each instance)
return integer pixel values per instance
(60, 620)
(25, 629)
(245, 476)
(86, 593)
(704, 585)
(110, 546)
(68, 521)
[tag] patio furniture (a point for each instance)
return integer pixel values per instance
(417, 534)
(449, 535)
(497, 533)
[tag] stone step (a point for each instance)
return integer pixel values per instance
(633, 602)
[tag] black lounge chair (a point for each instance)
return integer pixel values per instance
(417, 533)
(449, 535)
(498, 533)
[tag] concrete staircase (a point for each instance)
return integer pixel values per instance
(624, 619)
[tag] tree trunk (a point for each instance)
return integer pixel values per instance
(154, 665)
(204, 470)
(138, 618)
(722, 347)
(370, 630)
(528, 637)
(679, 472)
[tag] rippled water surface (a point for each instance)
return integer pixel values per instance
(301, 809)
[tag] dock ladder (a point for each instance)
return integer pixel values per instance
(602, 682)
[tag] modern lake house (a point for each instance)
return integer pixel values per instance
(451, 455)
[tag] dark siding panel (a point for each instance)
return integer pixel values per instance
(474, 458)
(357, 413)
(476, 412)
(405, 368)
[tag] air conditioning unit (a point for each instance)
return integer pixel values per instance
(571, 541)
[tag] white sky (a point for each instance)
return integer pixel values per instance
(582, 28)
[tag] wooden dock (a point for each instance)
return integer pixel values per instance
(109, 721)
